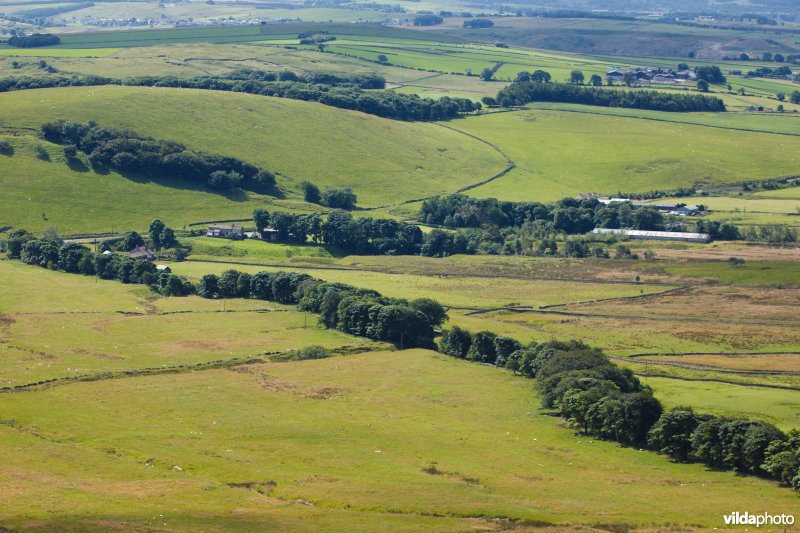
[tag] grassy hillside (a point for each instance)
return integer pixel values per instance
(384, 161)
(562, 153)
(307, 444)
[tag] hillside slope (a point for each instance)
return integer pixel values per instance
(384, 161)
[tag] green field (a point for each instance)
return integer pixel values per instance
(775, 273)
(256, 251)
(323, 444)
(779, 407)
(564, 153)
(456, 291)
(384, 161)
(188, 413)
(56, 52)
(82, 325)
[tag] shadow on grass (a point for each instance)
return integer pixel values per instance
(77, 165)
(234, 195)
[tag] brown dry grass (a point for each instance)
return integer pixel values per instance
(709, 302)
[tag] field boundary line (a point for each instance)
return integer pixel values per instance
(522, 309)
(681, 288)
(510, 165)
(654, 119)
(148, 371)
(699, 367)
(723, 381)
(745, 354)
(158, 370)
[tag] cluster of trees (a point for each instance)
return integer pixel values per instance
(51, 252)
(708, 73)
(427, 19)
(766, 72)
(771, 233)
(126, 151)
(601, 399)
(343, 198)
(349, 309)
(360, 312)
(161, 238)
(13, 83)
(34, 40)
(362, 81)
(362, 235)
(478, 23)
(568, 215)
(520, 93)
(289, 227)
(316, 38)
(387, 104)
(718, 230)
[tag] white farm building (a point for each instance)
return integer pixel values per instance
(657, 235)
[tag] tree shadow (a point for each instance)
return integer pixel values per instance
(77, 165)
(234, 195)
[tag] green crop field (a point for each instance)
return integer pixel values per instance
(384, 161)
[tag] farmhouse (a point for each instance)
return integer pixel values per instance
(225, 231)
(686, 211)
(142, 252)
(657, 235)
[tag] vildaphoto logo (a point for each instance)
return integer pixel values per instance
(758, 520)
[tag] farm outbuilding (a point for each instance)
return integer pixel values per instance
(657, 235)
(142, 252)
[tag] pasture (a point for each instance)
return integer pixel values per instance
(778, 407)
(58, 325)
(454, 290)
(384, 161)
(320, 444)
(380, 439)
(566, 153)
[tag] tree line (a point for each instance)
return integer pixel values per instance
(126, 152)
(601, 399)
(595, 396)
(360, 312)
(484, 226)
(362, 81)
(386, 104)
(51, 252)
(34, 40)
(568, 215)
(356, 235)
(521, 93)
